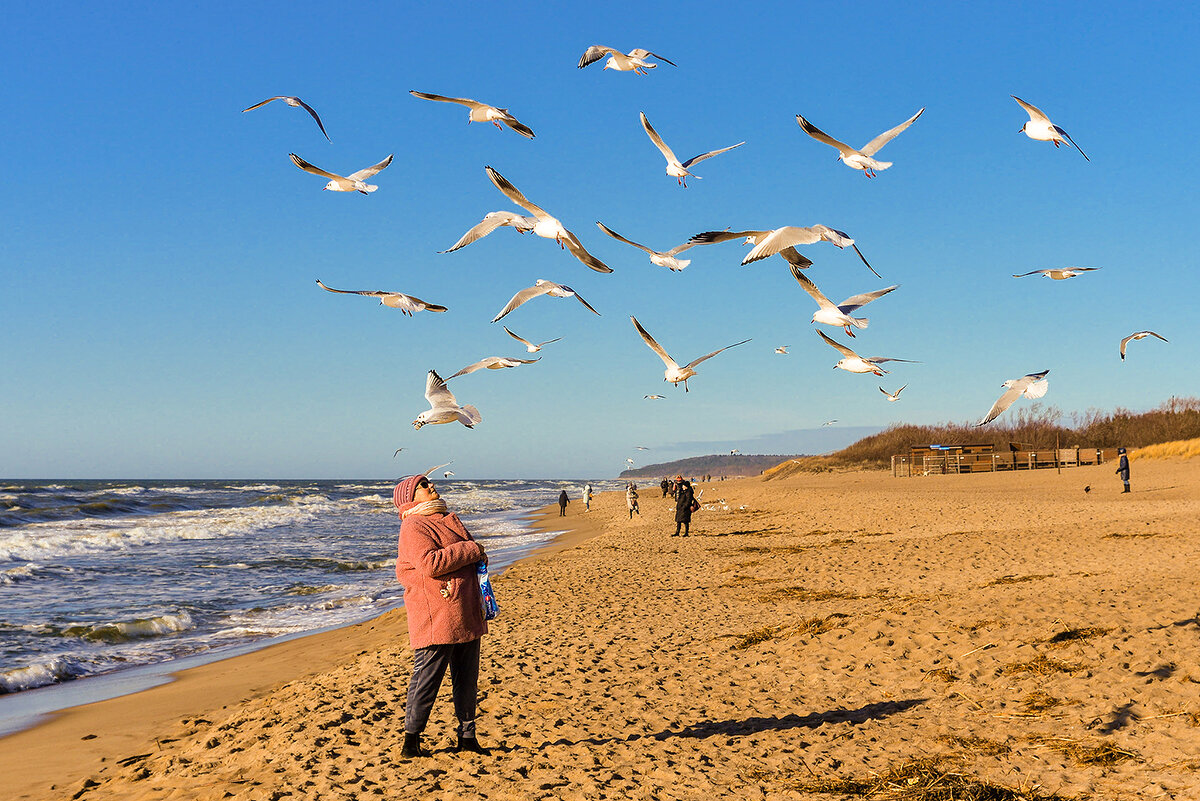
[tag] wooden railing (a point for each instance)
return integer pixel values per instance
(905, 465)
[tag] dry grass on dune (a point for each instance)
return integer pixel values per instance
(1170, 430)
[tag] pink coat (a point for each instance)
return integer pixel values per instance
(436, 554)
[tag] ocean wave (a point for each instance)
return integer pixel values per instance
(40, 674)
(18, 573)
(124, 631)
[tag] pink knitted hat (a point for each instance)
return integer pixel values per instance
(405, 491)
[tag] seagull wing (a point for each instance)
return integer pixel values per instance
(796, 258)
(1067, 136)
(580, 252)
(481, 229)
(1037, 389)
(873, 147)
(462, 101)
(1031, 272)
(437, 393)
(668, 154)
(654, 346)
(1125, 342)
(712, 237)
(641, 52)
(370, 293)
(708, 155)
(513, 193)
(821, 136)
(1035, 114)
(304, 165)
(781, 238)
(694, 362)
(808, 286)
(470, 368)
(675, 251)
(367, 172)
(320, 125)
(882, 359)
(1003, 402)
(855, 302)
(518, 126)
(523, 341)
(595, 53)
(885, 392)
(409, 303)
(586, 305)
(265, 102)
(523, 296)
(839, 347)
(617, 236)
(1160, 336)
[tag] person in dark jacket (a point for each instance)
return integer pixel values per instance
(1123, 468)
(563, 500)
(666, 486)
(683, 506)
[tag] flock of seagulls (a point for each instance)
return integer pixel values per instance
(783, 242)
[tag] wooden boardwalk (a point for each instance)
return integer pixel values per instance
(941, 460)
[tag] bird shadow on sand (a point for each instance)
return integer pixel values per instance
(744, 727)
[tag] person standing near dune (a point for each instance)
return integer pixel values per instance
(1123, 468)
(684, 498)
(436, 561)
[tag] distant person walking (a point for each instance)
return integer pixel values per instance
(1123, 468)
(684, 499)
(666, 487)
(563, 500)
(587, 498)
(631, 500)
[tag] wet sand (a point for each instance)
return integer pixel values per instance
(815, 629)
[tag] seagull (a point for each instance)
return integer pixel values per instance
(447, 474)
(641, 447)
(628, 461)
(783, 241)
(354, 182)
(397, 453)
(529, 346)
(734, 452)
(839, 314)
(662, 259)
(674, 373)
(294, 102)
(854, 363)
(1039, 127)
(859, 159)
(828, 423)
(490, 222)
(621, 62)
(1139, 335)
(676, 168)
(443, 408)
(546, 226)
(654, 397)
(481, 112)
(1033, 385)
(492, 363)
(893, 396)
(1059, 273)
(396, 300)
(543, 287)
(782, 350)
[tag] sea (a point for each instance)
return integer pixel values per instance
(107, 586)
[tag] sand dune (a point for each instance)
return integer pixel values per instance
(822, 628)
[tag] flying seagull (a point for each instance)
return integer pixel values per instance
(481, 112)
(443, 408)
(396, 300)
(662, 259)
(546, 226)
(893, 396)
(676, 168)
(543, 287)
(1059, 273)
(397, 453)
(782, 350)
(654, 397)
(830, 313)
(674, 373)
(447, 474)
(294, 102)
(354, 182)
(1139, 335)
(783, 241)
(859, 159)
(492, 363)
(828, 422)
(621, 62)
(854, 363)
(529, 346)
(1039, 127)
(641, 447)
(734, 452)
(628, 461)
(1033, 385)
(490, 222)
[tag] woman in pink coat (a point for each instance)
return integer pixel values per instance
(436, 562)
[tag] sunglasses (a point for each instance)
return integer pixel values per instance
(423, 484)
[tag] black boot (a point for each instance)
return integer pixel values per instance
(471, 744)
(412, 746)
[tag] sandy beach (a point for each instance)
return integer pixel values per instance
(813, 633)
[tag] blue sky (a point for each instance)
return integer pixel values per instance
(160, 316)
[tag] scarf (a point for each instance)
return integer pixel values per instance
(437, 507)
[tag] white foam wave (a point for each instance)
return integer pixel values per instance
(40, 674)
(19, 573)
(140, 629)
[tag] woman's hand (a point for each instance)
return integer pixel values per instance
(482, 553)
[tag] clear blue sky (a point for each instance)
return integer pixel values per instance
(160, 317)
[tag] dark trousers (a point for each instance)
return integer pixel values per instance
(429, 666)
